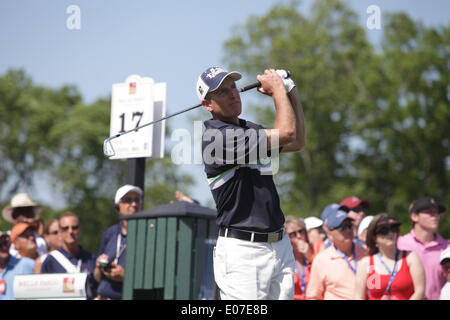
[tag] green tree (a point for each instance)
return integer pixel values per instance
(407, 132)
(53, 131)
(377, 119)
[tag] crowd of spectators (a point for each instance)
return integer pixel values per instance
(344, 254)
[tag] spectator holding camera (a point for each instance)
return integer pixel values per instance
(110, 264)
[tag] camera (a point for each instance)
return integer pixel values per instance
(105, 264)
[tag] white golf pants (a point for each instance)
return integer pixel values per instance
(246, 270)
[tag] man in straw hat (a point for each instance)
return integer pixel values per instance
(23, 209)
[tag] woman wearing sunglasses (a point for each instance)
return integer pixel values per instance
(303, 253)
(388, 273)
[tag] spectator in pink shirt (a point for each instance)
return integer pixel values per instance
(426, 242)
(333, 270)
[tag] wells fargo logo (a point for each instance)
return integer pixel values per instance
(132, 88)
(69, 285)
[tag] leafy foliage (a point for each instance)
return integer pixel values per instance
(377, 119)
(53, 131)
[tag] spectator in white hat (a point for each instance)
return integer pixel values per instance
(445, 265)
(316, 234)
(23, 209)
(362, 229)
(128, 200)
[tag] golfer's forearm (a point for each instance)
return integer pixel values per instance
(300, 131)
(300, 136)
(284, 119)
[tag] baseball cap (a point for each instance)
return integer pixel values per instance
(330, 209)
(353, 202)
(18, 229)
(425, 203)
(364, 224)
(212, 78)
(445, 255)
(388, 220)
(333, 215)
(124, 190)
(312, 222)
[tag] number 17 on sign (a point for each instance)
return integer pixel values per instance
(133, 103)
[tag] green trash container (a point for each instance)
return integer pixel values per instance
(169, 253)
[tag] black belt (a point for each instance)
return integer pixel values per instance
(251, 236)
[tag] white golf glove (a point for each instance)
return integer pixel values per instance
(288, 82)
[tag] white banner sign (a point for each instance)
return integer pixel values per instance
(136, 102)
(50, 286)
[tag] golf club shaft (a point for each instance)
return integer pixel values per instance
(155, 121)
(246, 88)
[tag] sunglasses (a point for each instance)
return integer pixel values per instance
(294, 234)
(430, 212)
(66, 228)
(358, 209)
(384, 230)
(131, 200)
(27, 233)
(4, 243)
(343, 227)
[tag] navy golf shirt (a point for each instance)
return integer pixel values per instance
(109, 288)
(51, 265)
(245, 198)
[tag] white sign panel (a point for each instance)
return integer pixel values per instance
(159, 111)
(50, 286)
(136, 102)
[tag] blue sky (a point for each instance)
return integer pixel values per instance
(169, 41)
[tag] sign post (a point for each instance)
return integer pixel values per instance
(135, 102)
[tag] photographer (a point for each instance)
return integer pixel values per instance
(110, 264)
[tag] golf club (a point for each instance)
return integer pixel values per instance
(108, 149)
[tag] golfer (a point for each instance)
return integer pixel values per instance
(253, 257)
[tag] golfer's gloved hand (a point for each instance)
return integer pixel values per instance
(288, 82)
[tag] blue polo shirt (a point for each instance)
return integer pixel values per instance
(15, 266)
(51, 265)
(245, 194)
(107, 287)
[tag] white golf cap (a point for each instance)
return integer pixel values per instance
(364, 224)
(445, 255)
(124, 190)
(212, 78)
(312, 222)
